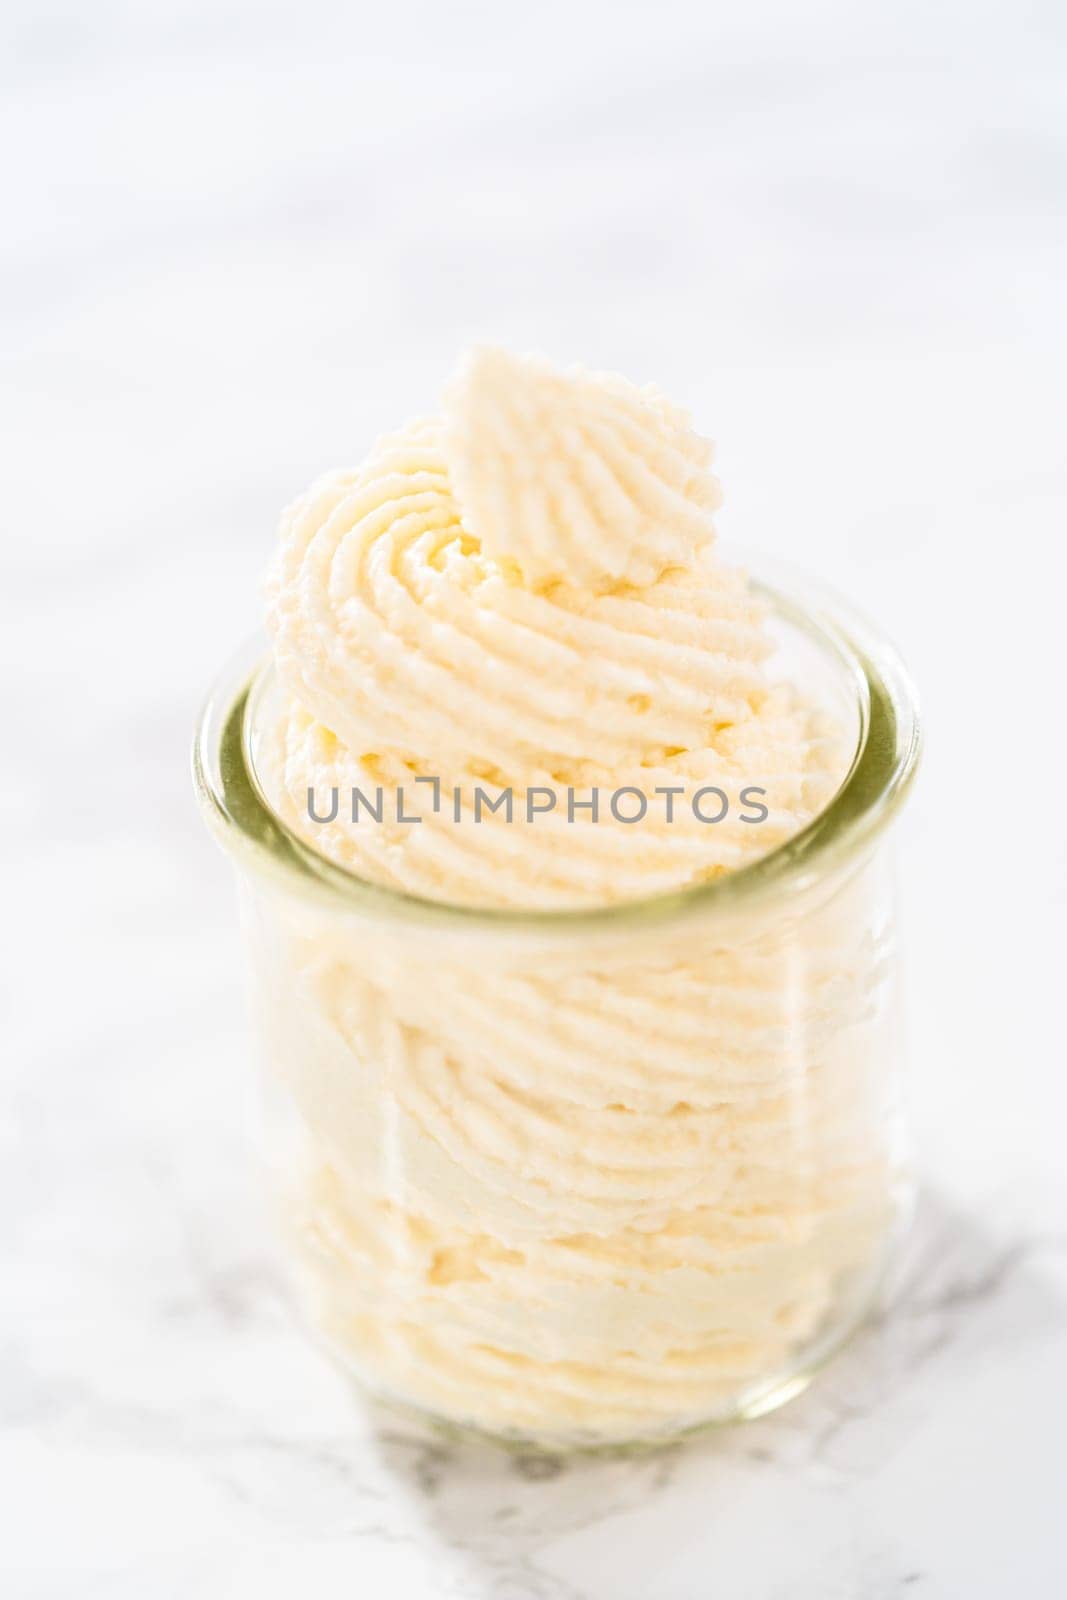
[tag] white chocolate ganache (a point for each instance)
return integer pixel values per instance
(578, 1188)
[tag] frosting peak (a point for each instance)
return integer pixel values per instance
(575, 476)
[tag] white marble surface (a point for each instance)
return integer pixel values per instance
(239, 240)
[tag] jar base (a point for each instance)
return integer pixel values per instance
(758, 1400)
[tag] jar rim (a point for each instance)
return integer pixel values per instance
(882, 770)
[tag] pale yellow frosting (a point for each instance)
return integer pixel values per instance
(582, 1186)
(575, 477)
(527, 596)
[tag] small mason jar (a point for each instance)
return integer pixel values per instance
(592, 1177)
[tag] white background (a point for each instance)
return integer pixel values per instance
(239, 242)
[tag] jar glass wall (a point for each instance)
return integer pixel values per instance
(592, 1177)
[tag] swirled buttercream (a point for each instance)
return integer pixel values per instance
(576, 1187)
(527, 596)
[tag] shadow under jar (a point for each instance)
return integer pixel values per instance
(597, 1177)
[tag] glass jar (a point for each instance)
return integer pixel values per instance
(580, 1178)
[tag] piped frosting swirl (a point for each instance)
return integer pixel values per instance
(524, 593)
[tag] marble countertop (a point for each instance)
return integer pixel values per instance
(241, 241)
